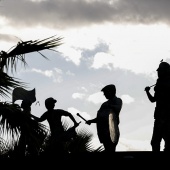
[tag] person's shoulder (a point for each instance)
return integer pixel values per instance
(45, 113)
(119, 100)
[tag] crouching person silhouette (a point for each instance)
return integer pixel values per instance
(53, 117)
(107, 119)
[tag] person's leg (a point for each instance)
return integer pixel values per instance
(156, 136)
(109, 146)
(166, 137)
(21, 147)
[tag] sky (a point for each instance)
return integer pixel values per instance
(105, 42)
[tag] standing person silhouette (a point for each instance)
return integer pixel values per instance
(107, 119)
(23, 140)
(32, 133)
(53, 116)
(161, 129)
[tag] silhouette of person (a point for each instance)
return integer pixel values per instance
(26, 106)
(161, 129)
(32, 133)
(107, 119)
(53, 116)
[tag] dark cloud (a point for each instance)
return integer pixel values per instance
(9, 37)
(70, 13)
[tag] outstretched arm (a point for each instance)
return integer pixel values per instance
(91, 121)
(38, 119)
(73, 119)
(87, 121)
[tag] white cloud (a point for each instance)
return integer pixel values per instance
(59, 71)
(70, 73)
(127, 99)
(55, 75)
(78, 96)
(139, 48)
(74, 111)
(84, 89)
(47, 73)
(102, 59)
(71, 54)
(96, 98)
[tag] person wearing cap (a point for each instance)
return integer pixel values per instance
(161, 129)
(107, 119)
(54, 116)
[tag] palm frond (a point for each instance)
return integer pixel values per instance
(3, 146)
(9, 115)
(82, 142)
(18, 52)
(12, 119)
(7, 83)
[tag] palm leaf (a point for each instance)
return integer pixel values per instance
(81, 141)
(9, 114)
(13, 119)
(18, 52)
(7, 83)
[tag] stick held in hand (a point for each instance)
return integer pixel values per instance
(81, 117)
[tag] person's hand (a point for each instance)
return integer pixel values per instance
(76, 124)
(147, 89)
(88, 122)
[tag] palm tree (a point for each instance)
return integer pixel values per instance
(11, 116)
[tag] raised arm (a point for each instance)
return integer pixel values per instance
(150, 97)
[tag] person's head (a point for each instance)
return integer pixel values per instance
(163, 69)
(109, 91)
(50, 103)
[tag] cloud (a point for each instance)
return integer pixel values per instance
(78, 96)
(71, 54)
(55, 75)
(74, 111)
(102, 59)
(96, 98)
(127, 99)
(84, 89)
(71, 13)
(70, 73)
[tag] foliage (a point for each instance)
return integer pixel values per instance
(12, 118)
(9, 60)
